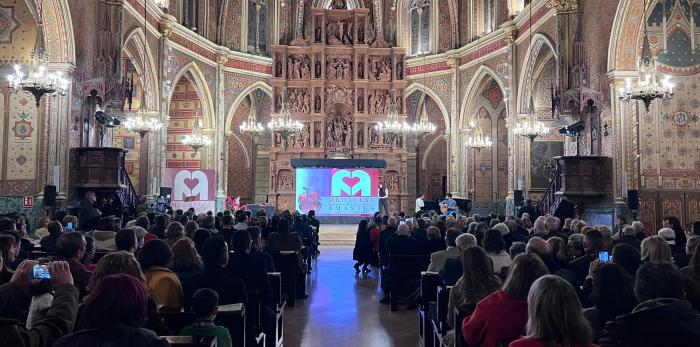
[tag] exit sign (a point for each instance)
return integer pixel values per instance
(28, 202)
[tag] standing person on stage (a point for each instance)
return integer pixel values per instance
(383, 199)
(420, 204)
(450, 204)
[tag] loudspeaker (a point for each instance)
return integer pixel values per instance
(518, 198)
(633, 199)
(50, 196)
(165, 191)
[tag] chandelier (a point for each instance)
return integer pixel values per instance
(38, 81)
(477, 141)
(529, 126)
(251, 127)
(647, 87)
(392, 126)
(424, 126)
(197, 139)
(284, 126)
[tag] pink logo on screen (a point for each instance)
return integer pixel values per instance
(351, 183)
(309, 201)
(191, 186)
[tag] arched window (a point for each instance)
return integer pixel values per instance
(420, 27)
(257, 26)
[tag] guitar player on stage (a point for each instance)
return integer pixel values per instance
(449, 205)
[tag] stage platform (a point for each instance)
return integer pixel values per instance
(337, 234)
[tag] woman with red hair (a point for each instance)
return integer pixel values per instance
(116, 310)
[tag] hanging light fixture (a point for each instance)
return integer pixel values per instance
(197, 139)
(251, 127)
(528, 125)
(477, 141)
(393, 127)
(38, 80)
(647, 87)
(142, 123)
(284, 125)
(424, 126)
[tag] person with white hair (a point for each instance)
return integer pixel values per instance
(670, 236)
(452, 270)
(639, 230)
(438, 259)
(628, 236)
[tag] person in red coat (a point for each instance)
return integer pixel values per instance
(501, 317)
(555, 317)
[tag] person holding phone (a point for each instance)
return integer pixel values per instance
(383, 194)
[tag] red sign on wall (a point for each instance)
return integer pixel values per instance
(28, 202)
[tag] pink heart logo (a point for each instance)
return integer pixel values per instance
(191, 183)
(351, 181)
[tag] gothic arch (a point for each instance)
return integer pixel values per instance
(420, 87)
(56, 15)
(241, 96)
(136, 38)
(484, 73)
(194, 73)
(539, 41)
(429, 149)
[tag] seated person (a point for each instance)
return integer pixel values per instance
(438, 259)
(115, 311)
(450, 204)
(205, 306)
(401, 244)
(231, 289)
(663, 318)
(56, 322)
(48, 243)
(257, 250)
(71, 248)
(283, 240)
(162, 282)
(126, 240)
(452, 270)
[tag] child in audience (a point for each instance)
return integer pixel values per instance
(205, 304)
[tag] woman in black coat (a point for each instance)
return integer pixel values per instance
(363, 247)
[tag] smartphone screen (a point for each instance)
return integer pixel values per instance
(604, 257)
(402, 222)
(69, 226)
(40, 272)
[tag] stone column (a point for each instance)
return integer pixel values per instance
(220, 142)
(158, 159)
(453, 141)
(509, 95)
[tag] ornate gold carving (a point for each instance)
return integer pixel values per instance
(510, 33)
(563, 6)
(222, 58)
(453, 62)
(166, 28)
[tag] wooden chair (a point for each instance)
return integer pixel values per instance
(405, 274)
(276, 284)
(429, 283)
(440, 327)
(191, 341)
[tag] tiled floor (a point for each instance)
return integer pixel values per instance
(343, 309)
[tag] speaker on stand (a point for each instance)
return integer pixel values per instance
(633, 202)
(49, 199)
(518, 198)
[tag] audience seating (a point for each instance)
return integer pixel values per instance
(231, 317)
(286, 264)
(276, 284)
(459, 316)
(440, 327)
(429, 283)
(405, 275)
(191, 341)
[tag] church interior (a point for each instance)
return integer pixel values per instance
(573, 120)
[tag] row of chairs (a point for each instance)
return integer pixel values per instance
(404, 274)
(234, 318)
(433, 327)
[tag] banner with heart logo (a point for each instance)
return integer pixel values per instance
(337, 192)
(192, 188)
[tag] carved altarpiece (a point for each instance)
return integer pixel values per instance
(339, 83)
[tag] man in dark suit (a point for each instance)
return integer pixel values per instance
(231, 289)
(592, 244)
(227, 229)
(400, 244)
(629, 236)
(252, 271)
